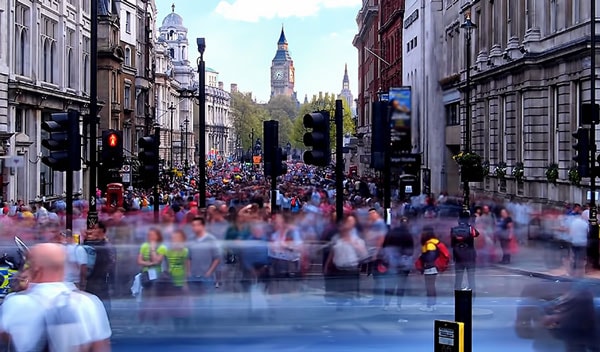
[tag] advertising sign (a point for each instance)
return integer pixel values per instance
(400, 119)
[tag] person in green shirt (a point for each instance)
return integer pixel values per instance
(150, 258)
(152, 253)
(178, 260)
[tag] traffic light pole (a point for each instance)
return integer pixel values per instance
(339, 160)
(92, 217)
(593, 250)
(387, 168)
(69, 200)
(156, 206)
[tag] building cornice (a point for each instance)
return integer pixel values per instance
(397, 14)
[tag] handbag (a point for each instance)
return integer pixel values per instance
(145, 279)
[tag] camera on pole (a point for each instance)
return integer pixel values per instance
(318, 139)
(148, 157)
(582, 151)
(112, 149)
(63, 142)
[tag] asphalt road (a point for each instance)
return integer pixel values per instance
(303, 321)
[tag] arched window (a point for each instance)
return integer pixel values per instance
(52, 62)
(70, 68)
(85, 73)
(127, 56)
(45, 60)
(172, 53)
(21, 52)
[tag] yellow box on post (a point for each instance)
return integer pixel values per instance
(449, 336)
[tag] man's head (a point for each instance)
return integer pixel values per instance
(464, 217)
(45, 263)
(198, 225)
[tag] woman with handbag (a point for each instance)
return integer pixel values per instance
(150, 258)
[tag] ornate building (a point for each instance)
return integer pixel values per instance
(391, 14)
(126, 76)
(367, 42)
(219, 139)
(282, 70)
(44, 53)
(176, 89)
(530, 75)
(345, 94)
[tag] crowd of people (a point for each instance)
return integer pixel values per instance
(238, 243)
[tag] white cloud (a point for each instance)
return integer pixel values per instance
(254, 10)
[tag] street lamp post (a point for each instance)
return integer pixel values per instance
(172, 109)
(288, 149)
(185, 145)
(92, 217)
(181, 144)
(201, 123)
(468, 26)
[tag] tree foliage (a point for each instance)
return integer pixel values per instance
(247, 115)
(319, 103)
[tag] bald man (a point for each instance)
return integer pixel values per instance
(51, 313)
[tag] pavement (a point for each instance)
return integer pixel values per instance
(542, 260)
(303, 320)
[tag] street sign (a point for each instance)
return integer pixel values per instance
(16, 161)
(126, 168)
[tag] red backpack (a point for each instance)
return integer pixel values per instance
(441, 262)
(443, 259)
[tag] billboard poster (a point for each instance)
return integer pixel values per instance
(400, 118)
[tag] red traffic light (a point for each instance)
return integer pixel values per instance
(113, 140)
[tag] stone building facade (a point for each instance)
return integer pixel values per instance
(529, 77)
(367, 43)
(44, 68)
(420, 38)
(176, 90)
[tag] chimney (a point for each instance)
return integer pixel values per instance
(220, 85)
(234, 88)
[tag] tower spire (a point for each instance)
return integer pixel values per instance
(282, 39)
(173, 7)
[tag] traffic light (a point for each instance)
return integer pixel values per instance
(63, 142)
(582, 151)
(112, 149)
(318, 139)
(148, 157)
(281, 162)
(271, 136)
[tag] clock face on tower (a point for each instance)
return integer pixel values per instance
(278, 75)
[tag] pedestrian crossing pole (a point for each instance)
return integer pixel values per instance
(593, 241)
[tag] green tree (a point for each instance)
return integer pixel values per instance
(247, 115)
(318, 103)
(284, 110)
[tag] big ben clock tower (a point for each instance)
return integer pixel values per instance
(282, 70)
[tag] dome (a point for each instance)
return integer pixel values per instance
(173, 19)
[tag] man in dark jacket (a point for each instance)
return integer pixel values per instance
(101, 277)
(463, 246)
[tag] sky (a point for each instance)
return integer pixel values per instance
(241, 40)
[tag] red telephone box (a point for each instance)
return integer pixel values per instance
(114, 195)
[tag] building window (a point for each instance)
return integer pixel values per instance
(128, 22)
(452, 116)
(22, 30)
(86, 64)
(19, 121)
(114, 87)
(71, 64)
(127, 97)
(48, 43)
(127, 56)
(172, 53)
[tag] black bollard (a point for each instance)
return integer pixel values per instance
(463, 313)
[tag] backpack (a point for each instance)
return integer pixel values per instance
(443, 259)
(61, 318)
(294, 202)
(91, 258)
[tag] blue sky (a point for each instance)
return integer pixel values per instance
(241, 40)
